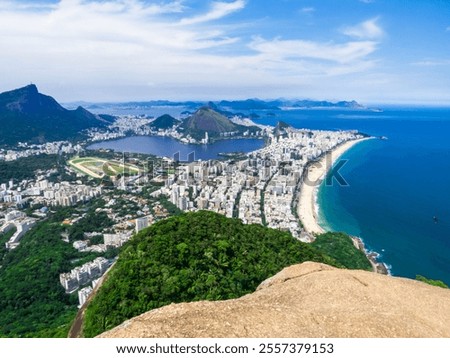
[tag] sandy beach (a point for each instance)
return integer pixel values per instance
(312, 180)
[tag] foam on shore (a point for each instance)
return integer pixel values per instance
(308, 210)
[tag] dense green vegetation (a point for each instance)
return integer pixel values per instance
(33, 303)
(92, 222)
(169, 206)
(437, 283)
(24, 168)
(209, 120)
(124, 207)
(28, 116)
(340, 247)
(191, 257)
(165, 121)
(4, 238)
(32, 300)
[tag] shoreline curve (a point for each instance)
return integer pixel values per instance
(314, 174)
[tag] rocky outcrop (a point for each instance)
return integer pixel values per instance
(307, 300)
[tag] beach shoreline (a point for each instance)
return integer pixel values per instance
(308, 209)
(314, 174)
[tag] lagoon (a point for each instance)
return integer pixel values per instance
(168, 147)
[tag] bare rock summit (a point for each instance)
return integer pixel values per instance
(307, 300)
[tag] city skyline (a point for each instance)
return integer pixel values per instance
(372, 51)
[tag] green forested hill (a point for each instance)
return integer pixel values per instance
(217, 125)
(32, 301)
(340, 246)
(165, 121)
(191, 257)
(29, 116)
(207, 120)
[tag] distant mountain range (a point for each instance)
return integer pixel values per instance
(253, 104)
(256, 104)
(29, 116)
(226, 106)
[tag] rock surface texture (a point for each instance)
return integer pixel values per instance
(307, 300)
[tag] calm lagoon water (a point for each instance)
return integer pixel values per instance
(167, 147)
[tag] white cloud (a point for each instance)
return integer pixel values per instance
(218, 10)
(111, 43)
(432, 63)
(365, 30)
(109, 7)
(8, 5)
(307, 10)
(113, 49)
(300, 49)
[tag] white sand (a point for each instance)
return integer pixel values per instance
(316, 173)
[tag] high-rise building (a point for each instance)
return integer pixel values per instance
(102, 263)
(182, 203)
(83, 295)
(69, 281)
(141, 223)
(82, 275)
(93, 269)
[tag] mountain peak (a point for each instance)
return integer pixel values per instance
(20, 93)
(208, 120)
(31, 88)
(165, 121)
(27, 115)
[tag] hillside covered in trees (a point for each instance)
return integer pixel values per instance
(208, 120)
(29, 116)
(340, 247)
(192, 257)
(33, 302)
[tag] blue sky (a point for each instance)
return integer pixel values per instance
(373, 51)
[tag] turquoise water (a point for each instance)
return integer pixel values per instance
(396, 186)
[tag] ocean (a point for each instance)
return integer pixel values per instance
(396, 187)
